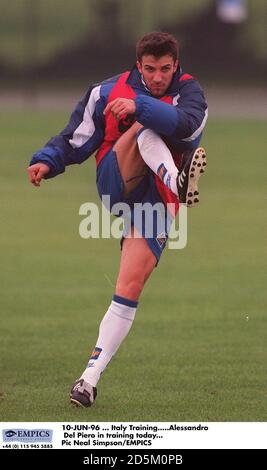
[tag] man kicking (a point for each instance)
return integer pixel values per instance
(146, 125)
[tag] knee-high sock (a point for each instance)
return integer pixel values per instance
(114, 327)
(158, 157)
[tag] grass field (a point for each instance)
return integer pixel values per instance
(197, 350)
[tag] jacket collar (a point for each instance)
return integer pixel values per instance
(136, 81)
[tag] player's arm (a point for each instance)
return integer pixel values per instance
(81, 138)
(181, 121)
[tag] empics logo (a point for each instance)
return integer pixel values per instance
(10, 433)
(27, 435)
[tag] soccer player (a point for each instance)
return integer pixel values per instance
(146, 125)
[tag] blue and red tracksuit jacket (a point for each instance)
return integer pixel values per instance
(179, 117)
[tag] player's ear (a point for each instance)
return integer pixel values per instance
(176, 64)
(139, 66)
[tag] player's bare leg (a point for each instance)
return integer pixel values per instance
(137, 263)
(131, 164)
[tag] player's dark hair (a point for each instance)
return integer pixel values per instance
(157, 44)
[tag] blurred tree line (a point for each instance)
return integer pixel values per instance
(61, 41)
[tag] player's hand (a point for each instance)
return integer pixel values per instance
(37, 172)
(120, 106)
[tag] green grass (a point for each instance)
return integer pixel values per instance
(197, 350)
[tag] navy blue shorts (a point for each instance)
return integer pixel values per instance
(153, 225)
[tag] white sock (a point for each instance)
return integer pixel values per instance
(114, 327)
(158, 157)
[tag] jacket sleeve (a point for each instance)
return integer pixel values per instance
(81, 137)
(183, 120)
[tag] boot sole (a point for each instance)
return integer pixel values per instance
(78, 403)
(197, 168)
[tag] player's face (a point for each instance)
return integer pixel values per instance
(157, 72)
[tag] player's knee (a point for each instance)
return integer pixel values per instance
(130, 289)
(136, 128)
(146, 138)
